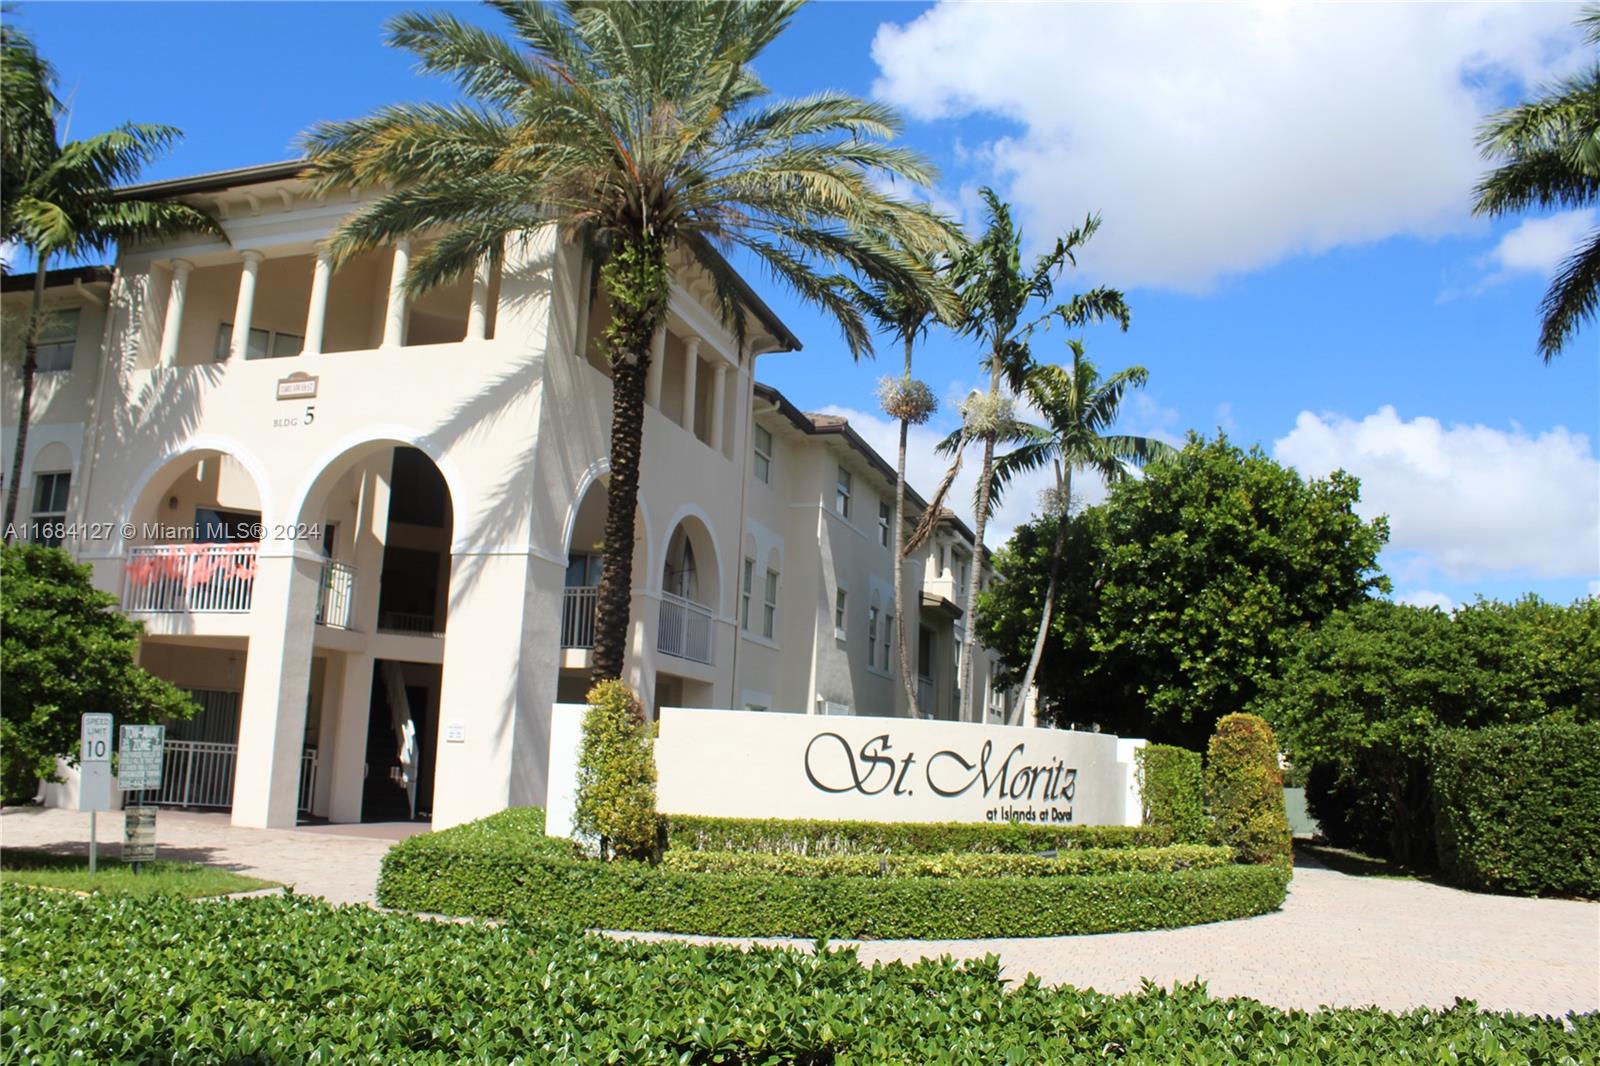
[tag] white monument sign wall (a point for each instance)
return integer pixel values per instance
(752, 764)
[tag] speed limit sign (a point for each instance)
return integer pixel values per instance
(96, 738)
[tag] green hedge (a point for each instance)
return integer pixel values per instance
(1173, 788)
(1517, 808)
(796, 836)
(1244, 791)
(1078, 862)
(500, 873)
(295, 980)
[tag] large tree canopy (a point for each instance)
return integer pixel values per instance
(66, 652)
(1182, 594)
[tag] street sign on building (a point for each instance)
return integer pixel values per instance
(139, 757)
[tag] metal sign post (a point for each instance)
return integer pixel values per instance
(94, 774)
(139, 757)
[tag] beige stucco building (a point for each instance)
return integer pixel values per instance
(365, 530)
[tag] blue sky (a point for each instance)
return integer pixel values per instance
(1285, 197)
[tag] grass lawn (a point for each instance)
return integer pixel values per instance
(25, 866)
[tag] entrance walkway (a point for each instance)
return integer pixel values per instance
(337, 862)
(1339, 940)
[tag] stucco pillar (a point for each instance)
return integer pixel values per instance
(394, 317)
(691, 370)
(317, 313)
(719, 403)
(245, 307)
(658, 367)
(277, 681)
(344, 760)
(478, 311)
(174, 321)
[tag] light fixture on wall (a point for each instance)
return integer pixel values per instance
(172, 503)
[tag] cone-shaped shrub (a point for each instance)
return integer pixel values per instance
(1244, 789)
(616, 799)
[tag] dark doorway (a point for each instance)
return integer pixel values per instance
(384, 795)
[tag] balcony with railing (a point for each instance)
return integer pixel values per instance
(190, 578)
(336, 595)
(577, 616)
(685, 629)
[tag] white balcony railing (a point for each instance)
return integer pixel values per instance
(336, 595)
(409, 622)
(190, 578)
(198, 773)
(685, 629)
(577, 616)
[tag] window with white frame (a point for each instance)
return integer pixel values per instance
(840, 599)
(885, 517)
(263, 344)
(745, 586)
(50, 507)
(872, 636)
(58, 339)
(841, 499)
(763, 454)
(769, 610)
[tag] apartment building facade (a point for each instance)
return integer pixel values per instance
(365, 530)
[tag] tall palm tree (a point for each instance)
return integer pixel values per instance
(1078, 407)
(907, 315)
(639, 130)
(1550, 153)
(1003, 303)
(61, 200)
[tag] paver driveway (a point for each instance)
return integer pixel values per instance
(1339, 940)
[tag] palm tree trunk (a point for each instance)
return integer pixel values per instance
(636, 281)
(1050, 589)
(900, 563)
(30, 366)
(979, 520)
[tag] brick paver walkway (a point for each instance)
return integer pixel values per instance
(1339, 940)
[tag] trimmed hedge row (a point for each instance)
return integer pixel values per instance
(1517, 808)
(796, 836)
(1173, 789)
(537, 883)
(295, 980)
(1067, 863)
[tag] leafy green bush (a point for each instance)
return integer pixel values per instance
(1518, 808)
(295, 980)
(616, 799)
(66, 650)
(1173, 790)
(798, 836)
(1079, 861)
(1245, 791)
(511, 873)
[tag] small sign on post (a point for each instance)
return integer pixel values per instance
(94, 774)
(139, 757)
(139, 836)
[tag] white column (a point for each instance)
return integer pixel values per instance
(691, 370)
(317, 313)
(394, 319)
(658, 367)
(246, 305)
(174, 319)
(478, 312)
(719, 403)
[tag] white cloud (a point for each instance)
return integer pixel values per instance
(1538, 245)
(1427, 598)
(1218, 139)
(1469, 500)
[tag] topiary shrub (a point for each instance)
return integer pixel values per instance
(1517, 808)
(616, 800)
(1173, 791)
(1245, 791)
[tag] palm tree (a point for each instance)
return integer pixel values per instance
(1078, 407)
(906, 314)
(1550, 148)
(639, 130)
(61, 200)
(997, 294)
